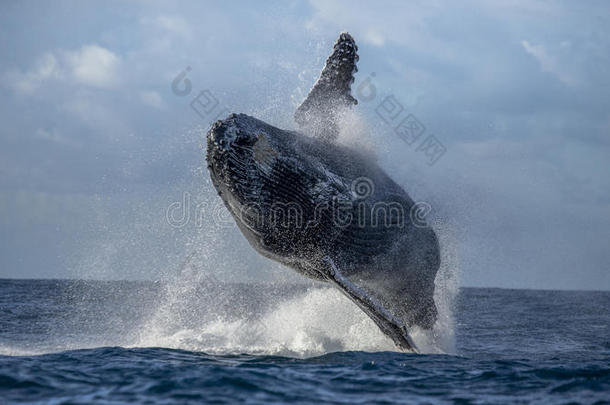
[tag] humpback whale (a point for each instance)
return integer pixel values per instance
(328, 210)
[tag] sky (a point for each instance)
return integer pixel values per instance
(103, 172)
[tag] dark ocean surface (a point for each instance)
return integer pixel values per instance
(69, 342)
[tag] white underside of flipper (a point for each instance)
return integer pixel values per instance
(388, 323)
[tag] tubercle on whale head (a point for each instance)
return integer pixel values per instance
(229, 156)
(223, 134)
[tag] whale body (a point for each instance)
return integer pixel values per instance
(326, 210)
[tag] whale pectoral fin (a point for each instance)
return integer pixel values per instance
(332, 92)
(388, 324)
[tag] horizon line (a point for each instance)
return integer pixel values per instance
(294, 283)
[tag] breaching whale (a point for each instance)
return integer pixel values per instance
(327, 210)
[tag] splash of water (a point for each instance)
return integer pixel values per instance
(273, 319)
(314, 322)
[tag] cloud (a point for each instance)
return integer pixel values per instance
(173, 24)
(90, 65)
(152, 98)
(25, 83)
(54, 136)
(374, 38)
(94, 66)
(549, 63)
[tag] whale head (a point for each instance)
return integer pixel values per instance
(232, 146)
(249, 161)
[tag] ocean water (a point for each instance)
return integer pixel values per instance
(89, 342)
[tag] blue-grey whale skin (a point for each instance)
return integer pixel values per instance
(328, 211)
